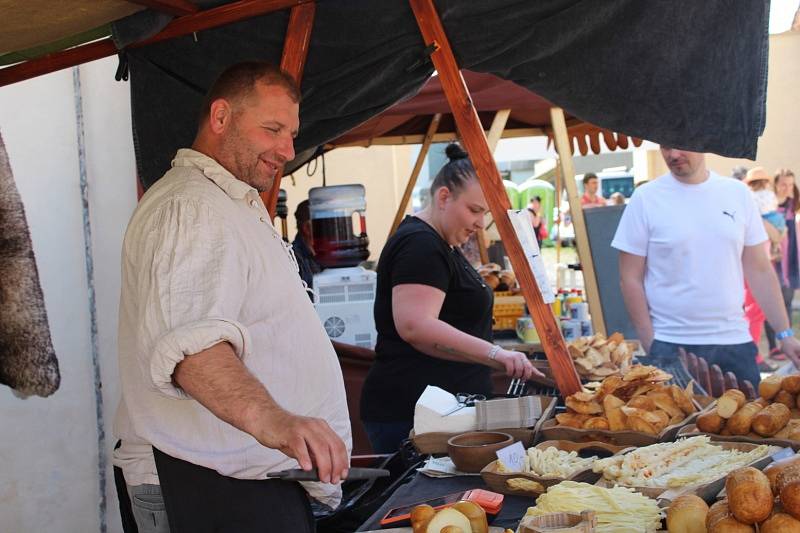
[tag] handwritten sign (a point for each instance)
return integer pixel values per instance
(513, 457)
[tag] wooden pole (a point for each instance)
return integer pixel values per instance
(558, 217)
(561, 139)
(474, 139)
(412, 181)
(295, 51)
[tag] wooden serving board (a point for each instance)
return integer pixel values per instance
(709, 490)
(433, 443)
(498, 481)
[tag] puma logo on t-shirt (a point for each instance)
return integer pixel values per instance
(731, 214)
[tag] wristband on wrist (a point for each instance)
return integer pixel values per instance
(779, 336)
(493, 352)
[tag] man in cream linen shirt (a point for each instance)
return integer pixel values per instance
(226, 371)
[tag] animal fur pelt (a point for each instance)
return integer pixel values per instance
(27, 360)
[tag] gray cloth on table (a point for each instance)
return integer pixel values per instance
(683, 73)
(27, 360)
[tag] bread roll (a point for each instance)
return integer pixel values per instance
(475, 514)
(730, 402)
(687, 514)
(749, 495)
(420, 516)
(788, 485)
(710, 421)
(771, 419)
(769, 386)
(720, 520)
(776, 468)
(762, 402)
(740, 422)
(791, 384)
(780, 523)
(785, 397)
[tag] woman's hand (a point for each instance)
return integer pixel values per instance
(517, 364)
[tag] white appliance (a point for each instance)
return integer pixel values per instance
(344, 298)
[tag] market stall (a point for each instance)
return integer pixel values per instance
(633, 405)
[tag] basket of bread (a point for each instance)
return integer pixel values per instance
(773, 418)
(597, 357)
(635, 409)
(767, 501)
(547, 464)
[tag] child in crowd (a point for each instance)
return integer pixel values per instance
(761, 185)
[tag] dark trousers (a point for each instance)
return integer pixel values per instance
(386, 437)
(737, 358)
(788, 296)
(200, 500)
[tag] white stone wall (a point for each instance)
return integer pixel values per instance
(49, 449)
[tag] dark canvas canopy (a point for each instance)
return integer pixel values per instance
(529, 115)
(684, 73)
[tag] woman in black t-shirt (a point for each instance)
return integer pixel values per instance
(433, 312)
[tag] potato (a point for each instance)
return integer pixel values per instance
(710, 421)
(687, 514)
(684, 398)
(749, 495)
(730, 402)
(740, 422)
(664, 401)
(642, 402)
(769, 386)
(791, 384)
(771, 419)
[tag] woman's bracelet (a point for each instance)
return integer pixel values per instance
(493, 352)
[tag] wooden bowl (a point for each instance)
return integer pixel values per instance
(472, 451)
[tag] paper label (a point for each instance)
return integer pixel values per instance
(784, 453)
(524, 230)
(513, 457)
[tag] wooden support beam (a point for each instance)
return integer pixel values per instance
(474, 140)
(293, 60)
(578, 223)
(203, 20)
(412, 180)
(171, 7)
(392, 140)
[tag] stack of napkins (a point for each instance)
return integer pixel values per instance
(502, 413)
(429, 413)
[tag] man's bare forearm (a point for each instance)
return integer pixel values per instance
(764, 285)
(218, 380)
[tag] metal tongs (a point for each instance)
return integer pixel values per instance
(516, 388)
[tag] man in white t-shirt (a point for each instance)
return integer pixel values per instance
(687, 242)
